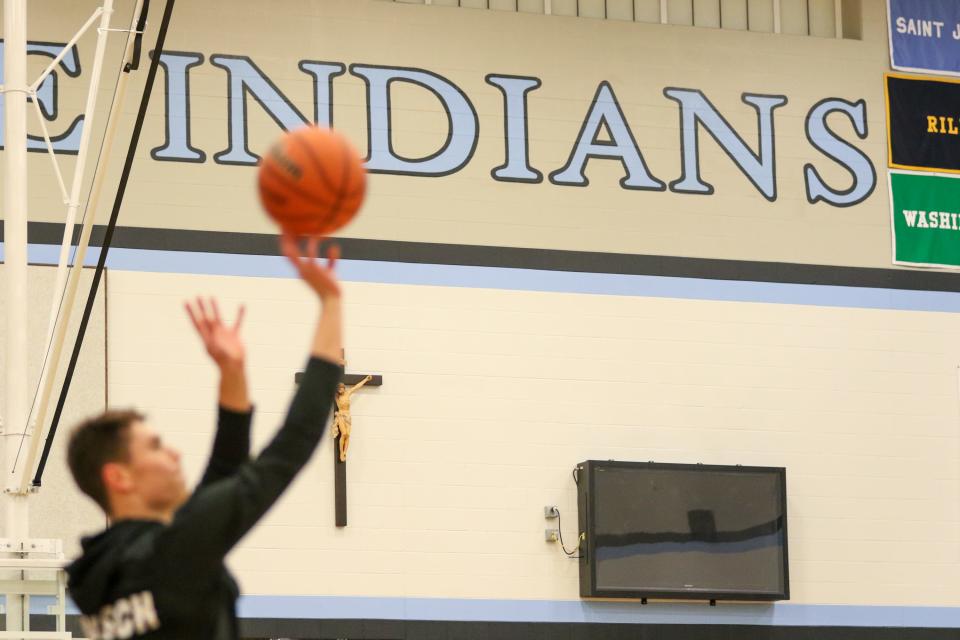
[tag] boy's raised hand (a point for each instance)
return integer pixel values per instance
(321, 278)
(222, 341)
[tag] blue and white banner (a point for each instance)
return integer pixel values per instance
(925, 35)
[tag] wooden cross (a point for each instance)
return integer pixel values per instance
(340, 466)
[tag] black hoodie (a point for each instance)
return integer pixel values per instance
(145, 579)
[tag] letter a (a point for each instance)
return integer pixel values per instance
(605, 112)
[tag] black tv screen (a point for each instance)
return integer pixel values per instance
(657, 530)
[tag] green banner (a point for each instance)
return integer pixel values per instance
(926, 219)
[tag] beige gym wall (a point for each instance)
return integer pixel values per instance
(492, 395)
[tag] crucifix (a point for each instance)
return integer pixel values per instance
(342, 424)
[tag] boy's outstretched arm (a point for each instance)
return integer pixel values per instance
(328, 338)
(218, 515)
(231, 445)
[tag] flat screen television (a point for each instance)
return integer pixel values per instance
(682, 531)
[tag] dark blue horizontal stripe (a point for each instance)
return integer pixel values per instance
(598, 262)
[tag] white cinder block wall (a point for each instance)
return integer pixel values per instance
(491, 397)
(58, 510)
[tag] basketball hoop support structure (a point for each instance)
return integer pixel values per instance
(17, 421)
(63, 302)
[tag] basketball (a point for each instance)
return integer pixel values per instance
(312, 181)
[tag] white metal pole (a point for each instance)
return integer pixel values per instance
(15, 258)
(76, 270)
(73, 203)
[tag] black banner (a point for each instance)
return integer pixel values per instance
(923, 123)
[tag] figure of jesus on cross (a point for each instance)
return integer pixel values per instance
(342, 422)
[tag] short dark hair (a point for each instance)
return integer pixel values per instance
(95, 442)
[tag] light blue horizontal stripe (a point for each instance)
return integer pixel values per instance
(578, 611)
(525, 280)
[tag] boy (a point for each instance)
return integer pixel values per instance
(158, 570)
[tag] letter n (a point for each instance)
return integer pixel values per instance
(696, 111)
(245, 78)
(144, 612)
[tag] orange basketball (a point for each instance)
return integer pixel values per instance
(312, 181)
